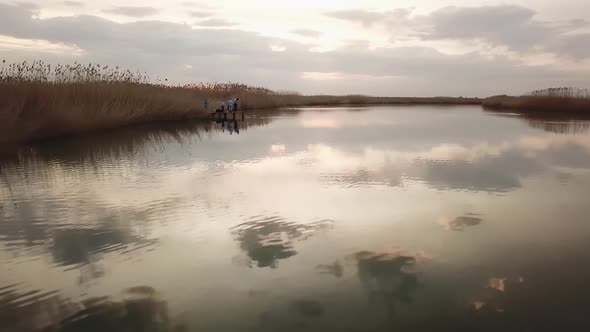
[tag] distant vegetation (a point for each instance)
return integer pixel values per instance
(558, 100)
(39, 100)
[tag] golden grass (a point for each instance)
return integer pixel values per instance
(38, 100)
(555, 100)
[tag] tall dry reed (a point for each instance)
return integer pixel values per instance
(555, 100)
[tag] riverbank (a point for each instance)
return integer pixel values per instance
(39, 101)
(565, 100)
(37, 110)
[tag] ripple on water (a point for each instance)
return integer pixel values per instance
(268, 239)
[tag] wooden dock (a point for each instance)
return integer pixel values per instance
(228, 115)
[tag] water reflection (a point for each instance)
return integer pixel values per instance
(568, 127)
(141, 309)
(498, 284)
(74, 246)
(334, 269)
(266, 240)
(388, 174)
(308, 308)
(118, 144)
(461, 222)
(386, 278)
(33, 310)
(231, 126)
(296, 315)
(154, 206)
(29, 225)
(554, 122)
(70, 238)
(25, 230)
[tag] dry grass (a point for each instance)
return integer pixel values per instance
(562, 100)
(38, 100)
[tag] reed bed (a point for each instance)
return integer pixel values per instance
(38, 100)
(553, 100)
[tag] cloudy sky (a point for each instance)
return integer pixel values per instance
(378, 47)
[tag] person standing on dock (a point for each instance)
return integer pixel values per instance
(236, 104)
(230, 105)
(206, 105)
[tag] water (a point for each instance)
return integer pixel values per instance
(355, 219)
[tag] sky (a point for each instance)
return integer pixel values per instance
(375, 47)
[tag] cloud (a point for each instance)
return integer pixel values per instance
(514, 27)
(369, 18)
(162, 47)
(578, 23)
(307, 33)
(201, 14)
(132, 11)
(577, 46)
(360, 16)
(215, 22)
(74, 3)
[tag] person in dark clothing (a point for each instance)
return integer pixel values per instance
(236, 101)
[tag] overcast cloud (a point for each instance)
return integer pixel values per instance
(468, 50)
(74, 3)
(132, 11)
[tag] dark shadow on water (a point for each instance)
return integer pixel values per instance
(462, 222)
(34, 230)
(74, 246)
(141, 309)
(115, 144)
(266, 240)
(336, 269)
(83, 247)
(385, 278)
(561, 127)
(307, 308)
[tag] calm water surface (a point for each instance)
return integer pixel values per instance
(347, 219)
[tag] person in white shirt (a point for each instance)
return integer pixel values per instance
(230, 105)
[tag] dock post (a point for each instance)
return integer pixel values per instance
(234, 116)
(242, 115)
(224, 116)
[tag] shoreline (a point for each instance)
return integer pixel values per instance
(38, 101)
(48, 134)
(23, 131)
(518, 105)
(544, 102)
(36, 111)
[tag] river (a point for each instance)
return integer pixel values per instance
(413, 218)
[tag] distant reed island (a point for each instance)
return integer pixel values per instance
(38, 100)
(555, 100)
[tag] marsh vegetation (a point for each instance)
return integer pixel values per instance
(38, 100)
(554, 100)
